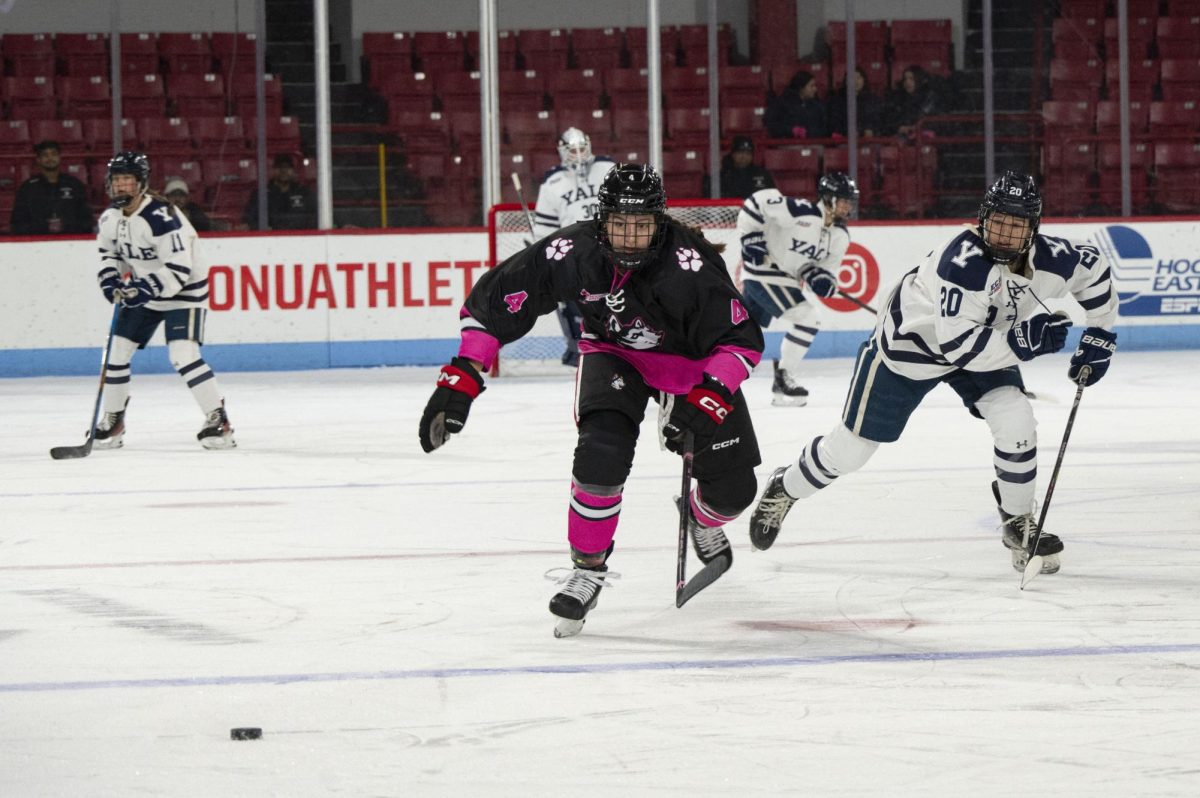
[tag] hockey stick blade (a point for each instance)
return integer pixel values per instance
(703, 578)
(1032, 569)
(72, 452)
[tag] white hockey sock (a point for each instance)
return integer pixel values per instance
(825, 459)
(794, 347)
(203, 384)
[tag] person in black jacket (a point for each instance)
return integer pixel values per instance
(662, 321)
(912, 98)
(290, 203)
(868, 105)
(51, 202)
(740, 175)
(797, 112)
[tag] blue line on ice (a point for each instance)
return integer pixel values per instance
(599, 668)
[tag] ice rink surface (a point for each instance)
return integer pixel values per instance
(381, 613)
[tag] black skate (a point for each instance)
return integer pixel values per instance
(1019, 532)
(770, 511)
(217, 432)
(709, 542)
(784, 392)
(110, 431)
(580, 591)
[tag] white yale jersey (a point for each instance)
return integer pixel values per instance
(796, 237)
(158, 240)
(956, 308)
(566, 197)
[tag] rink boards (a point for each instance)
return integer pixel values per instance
(339, 300)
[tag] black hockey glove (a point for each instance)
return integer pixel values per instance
(1039, 335)
(112, 285)
(1095, 351)
(819, 280)
(701, 411)
(139, 292)
(754, 249)
(458, 384)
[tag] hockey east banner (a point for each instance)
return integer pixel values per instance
(341, 300)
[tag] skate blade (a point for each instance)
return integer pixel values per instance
(781, 400)
(568, 628)
(1037, 564)
(222, 442)
(109, 443)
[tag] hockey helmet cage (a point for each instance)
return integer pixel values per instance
(632, 189)
(127, 162)
(575, 149)
(1013, 194)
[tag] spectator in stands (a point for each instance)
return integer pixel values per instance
(912, 98)
(290, 203)
(177, 194)
(797, 112)
(740, 176)
(51, 202)
(868, 105)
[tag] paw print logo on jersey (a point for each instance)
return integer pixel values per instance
(558, 248)
(688, 259)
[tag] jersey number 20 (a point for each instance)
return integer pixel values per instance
(951, 301)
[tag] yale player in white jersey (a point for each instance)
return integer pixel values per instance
(786, 244)
(568, 194)
(148, 239)
(967, 316)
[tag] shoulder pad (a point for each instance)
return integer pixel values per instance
(801, 207)
(1054, 255)
(603, 159)
(963, 263)
(160, 222)
(552, 171)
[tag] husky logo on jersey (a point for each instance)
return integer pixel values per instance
(635, 335)
(737, 313)
(515, 301)
(558, 248)
(688, 259)
(618, 382)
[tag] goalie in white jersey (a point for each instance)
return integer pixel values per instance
(967, 316)
(788, 244)
(146, 239)
(569, 194)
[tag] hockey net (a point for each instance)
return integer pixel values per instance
(540, 352)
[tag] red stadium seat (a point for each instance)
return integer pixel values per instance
(164, 136)
(693, 44)
(685, 87)
(84, 97)
(742, 121)
(1141, 34)
(1066, 117)
(1109, 192)
(1176, 164)
(688, 127)
(458, 91)
(527, 132)
(14, 138)
(1142, 77)
(1074, 80)
(386, 54)
(870, 41)
(1135, 9)
(29, 54)
(742, 86)
(283, 134)
(245, 98)
(933, 31)
(82, 53)
(596, 123)
(1071, 30)
(596, 48)
(99, 132)
(407, 91)
(795, 169)
(235, 53)
(30, 97)
(1180, 79)
(1183, 8)
(466, 129)
(422, 131)
(636, 47)
(439, 51)
(521, 90)
(198, 95)
(186, 52)
(171, 167)
(1081, 8)
(1174, 118)
(683, 172)
(631, 125)
(1178, 37)
(67, 132)
(546, 50)
(1108, 117)
(581, 89)
(627, 88)
(219, 134)
(139, 53)
(142, 96)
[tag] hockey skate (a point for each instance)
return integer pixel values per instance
(770, 511)
(784, 392)
(709, 542)
(217, 432)
(580, 591)
(110, 431)
(1019, 532)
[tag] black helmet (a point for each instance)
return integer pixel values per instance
(1014, 194)
(127, 162)
(835, 186)
(632, 188)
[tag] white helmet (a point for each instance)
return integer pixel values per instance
(575, 149)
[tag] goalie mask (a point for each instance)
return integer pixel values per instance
(128, 162)
(1014, 196)
(833, 187)
(632, 218)
(575, 149)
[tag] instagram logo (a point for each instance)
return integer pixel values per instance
(858, 276)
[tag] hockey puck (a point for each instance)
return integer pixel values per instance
(245, 733)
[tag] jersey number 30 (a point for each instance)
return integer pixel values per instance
(951, 301)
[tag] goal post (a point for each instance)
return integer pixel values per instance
(540, 351)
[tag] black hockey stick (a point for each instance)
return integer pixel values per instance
(684, 589)
(75, 452)
(1034, 565)
(856, 301)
